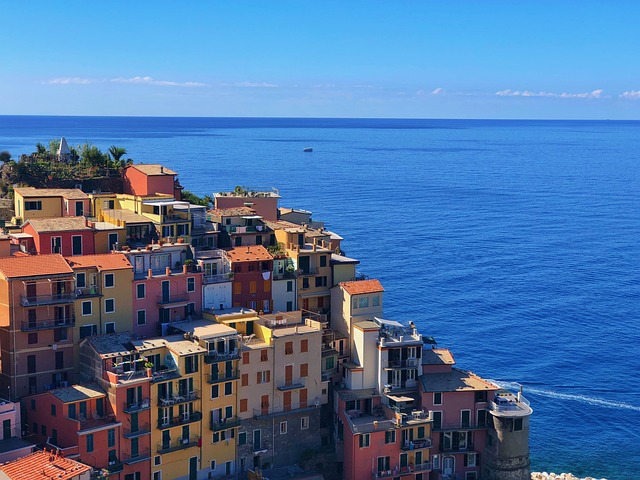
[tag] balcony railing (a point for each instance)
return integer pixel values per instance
(292, 384)
(223, 424)
(219, 278)
(400, 471)
(175, 217)
(179, 420)
(36, 300)
(138, 432)
(224, 376)
(92, 291)
(137, 406)
(458, 425)
(171, 299)
(140, 456)
(307, 272)
(416, 444)
(407, 363)
(184, 397)
(165, 374)
(465, 447)
(178, 444)
(97, 422)
(115, 466)
(29, 326)
(213, 356)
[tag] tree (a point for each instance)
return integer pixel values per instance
(117, 153)
(54, 146)
(5, 156)
(91, 155)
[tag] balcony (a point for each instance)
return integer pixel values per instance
(178, 444)
(506, 404)
(48, 324)
(307, 272)
(175, 218)
(144, 429)
(214, 357)
(416, 444)
(219, 278)
(225, 376)
(137, 406)
(224, 423)
(292, 384)
(114, 466)
(283, 409)
(173, 300)
(362, 423)
(165, 374)
(164, 423)
(407, 363)
(461, 447)
(140, 456)
(243, 229)
(88, 292)
(96, 422)
(458, 426)
(400, 471)
(120, 376)
(53, 299)
(183, 397)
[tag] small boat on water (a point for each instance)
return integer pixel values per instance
(307, 149)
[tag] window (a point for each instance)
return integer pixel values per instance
(288, 348)
(90, 442)
(31, 364)
(33, 205)
(283, 428)
(72, 411)
(517, 424)
(157, 460)
(142, 317)
(363, 302)
(109, 280)
(304, 345)
(264, 355)
(266, 286)
(109, 305)
(480, 396)
(60, 334)
(245, 358)
(290, 286)
(323, 260)
(87, 330)
(191, 364)
(304, 370)
(289, 306)
(215, 438)
(364, 440)
(470, 460)
(228, 411)
(263, 377)
(237, 288)
(110, 327)
(470, 475)
(375, 301)
(305, 282)
(215, 391)
(191, 284)
(157, 475)
(437, 398)
(81, 280)
(252, 286)
(76, 245)
(242, 438)
(53, 409)
(228, 388)
(141, 290)
(32, 338)
(435, 462)
(390, 436)
(111, 438)
(243, 405)
(108, 204)
(245, 379)
(86, 308)
(437, 419)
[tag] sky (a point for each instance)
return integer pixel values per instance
(302, 58)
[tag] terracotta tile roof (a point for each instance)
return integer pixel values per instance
(70, 193)
(249, 254)
(232, 211)
(104, 261)
(362, 286)
(284, 225)
(153, 169)
(437, 356)
(76, 393)
(58, 224)
(455, 381)
(34, 266)
(44, 465)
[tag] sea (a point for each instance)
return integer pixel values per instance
(516, 244)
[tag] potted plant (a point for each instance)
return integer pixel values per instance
(148, 366)
(188, 263)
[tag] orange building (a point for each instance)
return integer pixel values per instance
(150, 179)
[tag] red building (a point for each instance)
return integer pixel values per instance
(143, 180)
(66, 235)
(45, 465)
(252, 268)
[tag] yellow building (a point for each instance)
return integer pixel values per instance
(103, 302)
(177, 433)
(30, 202)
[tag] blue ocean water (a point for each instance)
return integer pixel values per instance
(514, 243)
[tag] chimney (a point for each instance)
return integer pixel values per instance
(161, 169)
(168, 271)
(149, 273)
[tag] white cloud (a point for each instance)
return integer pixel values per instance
(439, 91)
(69, 81)
(631, 94)
(526, 93)
(254, 85)
(151, 81)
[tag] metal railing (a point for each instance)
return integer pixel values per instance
(178, 444)
(224, 423)
(224, 376)
(140, 456)
(143, 429)
(416, 444)
(213, 356)
(30, 325)
(183, 419)
(136, 406)
(35, 300)
(178, 398)
(169, 299)
(291, 384)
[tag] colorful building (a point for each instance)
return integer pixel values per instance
(65, 235)
(150, 179)
(251, 268)
(30, 202)
(44, 465)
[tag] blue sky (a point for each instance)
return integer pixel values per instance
(411, 59)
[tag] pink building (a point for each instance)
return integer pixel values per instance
(151, 179)
(12, 446)
(459, 404)
(65, 235)
(252, 268)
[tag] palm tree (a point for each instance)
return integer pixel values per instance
(117, 152)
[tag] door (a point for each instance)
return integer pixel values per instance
(113, 239)
(287, 401)
(165, 290)
(166, 438)
(257, 438)
(193, 468)
(448, 465)
(288, 374)
(76, 245)
(303, 398)
(79, 209)
(465, 418)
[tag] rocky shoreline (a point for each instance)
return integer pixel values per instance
(559, 476)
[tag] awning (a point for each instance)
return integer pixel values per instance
(325, 293)
(252, 217)
(389, 323)
(164, 203)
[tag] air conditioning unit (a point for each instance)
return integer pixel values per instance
(412, 362)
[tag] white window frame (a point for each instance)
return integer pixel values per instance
(434, 398)
(191, 288)
(91, 308)
(113, 276)
(283, 427)
(304, 423)
(144, 291)
(138, 318)
(435, 462)
(105, 305)
(109, 323)
(212, 465)
(471, 455)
